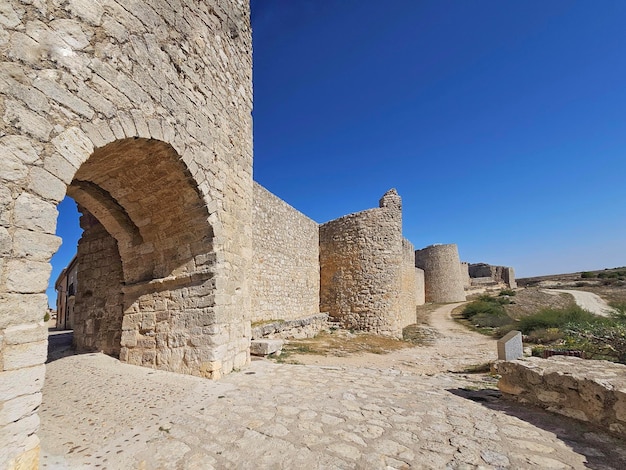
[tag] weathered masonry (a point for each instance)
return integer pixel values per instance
(141, 111)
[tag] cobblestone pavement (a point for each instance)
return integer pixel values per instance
(99, 413)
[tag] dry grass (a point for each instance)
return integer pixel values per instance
(531, 300)
(342, 343)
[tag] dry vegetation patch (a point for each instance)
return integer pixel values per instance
(532, 299)
(344, 343)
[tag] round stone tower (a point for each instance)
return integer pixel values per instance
(442, 273)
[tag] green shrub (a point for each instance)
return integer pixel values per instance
(587, 275)
(545, 335)
(509, 292)
(555, 318)
(602, 340)
(490, 320)
(482, 306)
(46, 317)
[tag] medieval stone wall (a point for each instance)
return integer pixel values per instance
(408, 285)
(170, 84)
(285, 275)
(420, 287)
(98, 308)
(465, 275)
(360, 268)
(500, 274)
(442, 273)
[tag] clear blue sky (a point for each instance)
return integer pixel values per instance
(501, 124)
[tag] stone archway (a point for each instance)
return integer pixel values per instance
(81, 81)
(146, 259)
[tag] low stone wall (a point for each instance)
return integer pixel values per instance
(591, 391)
(306, 327)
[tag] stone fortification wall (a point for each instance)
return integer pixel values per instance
(442, 274)
(500, 274)
(420, 287)
(360, 267)
(285, 276)
(98, 311)
(467, 283)
(408, 285)
(77, 79)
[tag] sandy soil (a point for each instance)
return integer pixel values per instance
(453, 348)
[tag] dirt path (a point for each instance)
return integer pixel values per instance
(453, 348)
(586, 300)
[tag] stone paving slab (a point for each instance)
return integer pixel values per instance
(99, 413)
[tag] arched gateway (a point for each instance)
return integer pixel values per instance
(139, 111)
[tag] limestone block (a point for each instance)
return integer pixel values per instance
(12, 168)
(27, 276)
(263, 347)
(8, 16)
(60, 167)
(74, 145)
(510, 346)
(59, 94)
(18, 309)
(24, 48)
(27, 121)
(19, 356)
(27, 381)
(33, 213)
(35, 245)
(27, 333)
(42, 182)
(19, 407)
(5, 242)
(18, 431)
(87, 10)
(129, 338)
(71, 32)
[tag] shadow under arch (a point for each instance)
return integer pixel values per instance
(146, 258)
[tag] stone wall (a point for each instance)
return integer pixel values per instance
(98, 308)
(360, 268)
(285, 275)
(420, 287)
(144, 109)
(467, 283)
(442, 273)
(500, 274)
(408, 285)
(591, 391)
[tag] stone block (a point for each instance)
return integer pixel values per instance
(19, 356)
(19, 408)
(28, 333)
(263, 347)
(35, 245)
(74, 145)
(20, 382)
(45, 184)
(33, 213)
(510, 346)
(27, 276)
(18, 309)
